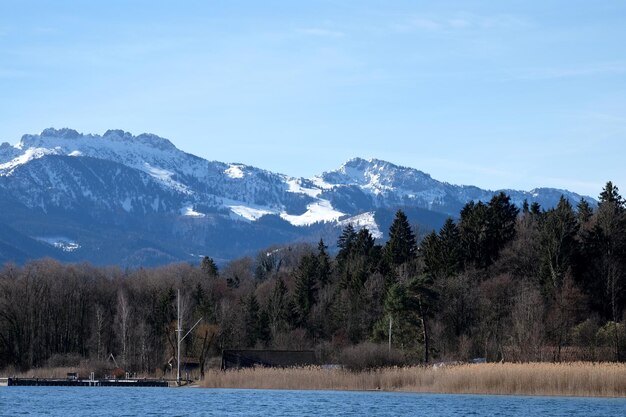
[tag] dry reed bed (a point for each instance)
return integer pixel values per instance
(567, 379)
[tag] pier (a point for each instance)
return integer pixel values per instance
(51, 382)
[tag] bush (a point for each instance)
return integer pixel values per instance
(606, 335)
(370, 356)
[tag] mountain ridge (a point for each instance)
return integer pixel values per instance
(145, 186)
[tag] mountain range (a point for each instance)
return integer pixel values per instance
(120, 199)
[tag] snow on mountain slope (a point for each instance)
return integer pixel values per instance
(364, 220)
(60, 168)
(212, 184)
(320, 211)
(388, 185)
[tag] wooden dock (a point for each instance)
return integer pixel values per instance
(49, 382)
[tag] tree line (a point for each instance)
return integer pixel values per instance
(499, 282)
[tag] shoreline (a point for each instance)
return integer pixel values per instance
(580, 379)
(574, 379)
(485, 394)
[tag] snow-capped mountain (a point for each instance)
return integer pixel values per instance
(133, 200)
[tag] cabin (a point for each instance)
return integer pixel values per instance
(189, 364)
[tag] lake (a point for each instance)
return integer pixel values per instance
(65, 401)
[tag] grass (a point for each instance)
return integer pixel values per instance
(563, 379)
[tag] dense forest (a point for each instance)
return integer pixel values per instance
(500, 282)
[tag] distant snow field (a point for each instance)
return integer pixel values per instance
(234, 171)
(189, 211)
(60, 242)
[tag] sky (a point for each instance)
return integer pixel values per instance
(498, 94)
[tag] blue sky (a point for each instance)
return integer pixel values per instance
(499, 94)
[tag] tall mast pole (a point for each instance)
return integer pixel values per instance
(178, 330)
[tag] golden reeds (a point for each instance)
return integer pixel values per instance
(569, 379)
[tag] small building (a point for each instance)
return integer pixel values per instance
(189, 364)
(236, 359)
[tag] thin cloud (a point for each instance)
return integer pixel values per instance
(459, 22)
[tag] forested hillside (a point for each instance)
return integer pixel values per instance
(500, 283)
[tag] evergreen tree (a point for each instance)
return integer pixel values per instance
(430, 250)
(558, 245)
(306, 288)
(263, 330)
(602, 264)
(209, 267)
(473, 230)
(278, 309)
(487, 229)
(267, 263)
(584, 212)
(502, 217)
(410, 306)
(605, 251)
(422, 298)
(364, 243)
(610, 194)
(401, 246)
(345, 244)
(323, 264)
(251, 319)
(442, 253)
(535, 208)
(450, 249)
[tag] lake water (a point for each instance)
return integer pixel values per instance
(70, 401)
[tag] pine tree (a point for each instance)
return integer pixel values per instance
(410, 306)
(422, 298)
(430, 250)
(501, 220)
(473, 230)
(209, 267)
(485, 229)
(306, 289)
(345, 244)
(401, 246)
(584, 212)
(251, 319)
(605, 248)
(610, 194)
(323, 265)
(442, 252)
(535, 208)
(450, 249)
